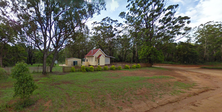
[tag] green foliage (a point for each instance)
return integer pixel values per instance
(112, 67)
(151, 54)
(133, 66)
(83, 69)
(91, 68)
(73, 69)
(105, 68)
(119, 68)
(25, 84)
(138, 66)
(3, 74)
(99, 68)
(127, 67)
(87, 69)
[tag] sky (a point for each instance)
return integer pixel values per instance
(200, 11)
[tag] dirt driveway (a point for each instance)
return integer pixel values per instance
(205, 101)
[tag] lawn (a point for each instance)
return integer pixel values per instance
(95, 91)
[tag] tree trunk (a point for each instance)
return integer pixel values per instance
(1, 65)
(53, 60)
(136, 55)
(44, 72)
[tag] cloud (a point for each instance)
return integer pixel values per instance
(204, 11)
(114, 5)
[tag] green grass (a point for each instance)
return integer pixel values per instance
(216, 67)
(97, 91)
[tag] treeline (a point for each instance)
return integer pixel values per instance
(49, 30)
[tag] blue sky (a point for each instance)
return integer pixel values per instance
(200, 11)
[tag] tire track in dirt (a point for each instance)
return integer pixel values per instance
(200, 101)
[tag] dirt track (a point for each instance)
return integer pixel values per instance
(209, 100)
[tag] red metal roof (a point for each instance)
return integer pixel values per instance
(99, 56)
(92, 52)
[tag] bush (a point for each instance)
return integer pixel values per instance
(119, 68)
(73, 69)
(91, 68)
(138, 66)
(25, 84)
(105, 68)
(99, 68)
(83, 69)
(3, 74)
(134, 66)
(127, 67)
(112, 67)
(87, 69)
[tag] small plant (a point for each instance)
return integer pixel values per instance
(91, 68)
(99, 68)
(83, 69)
(138, 66)
(3, 74)
(25, 84)
(73, 69)
(133, 66)
(105, 68)
(127, 67)
(112, 67)
(119, 68)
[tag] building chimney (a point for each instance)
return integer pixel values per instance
(92, 51)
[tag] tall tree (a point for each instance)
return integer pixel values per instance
(156, 24)
(49, 23)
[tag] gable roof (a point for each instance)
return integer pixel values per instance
(92, 52)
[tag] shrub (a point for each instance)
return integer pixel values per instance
(25, 84)
(127, 67)
(112, 67)
(73, 69)
(3, 74)
(119, 68)
(133, 66)
(105, 68)
(138, 66)
(87, 69)
(83, 69)
(91, 68)
(99, 68)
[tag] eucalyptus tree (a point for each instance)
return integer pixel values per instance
(155, 24)
(49, 23)
(209, 38)
(105, 33)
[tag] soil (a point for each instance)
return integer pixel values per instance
(205, 97)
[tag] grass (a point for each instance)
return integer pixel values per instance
(92, 91)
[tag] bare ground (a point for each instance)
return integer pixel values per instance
(206, 97)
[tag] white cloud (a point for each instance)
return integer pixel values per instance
(204, 11)
(114, 5)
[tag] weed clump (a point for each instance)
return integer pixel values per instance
(127, 67)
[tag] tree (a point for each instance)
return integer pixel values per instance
(156, 24)
(209, 37)
(104, 33)
(49, 23)
(7, 35)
